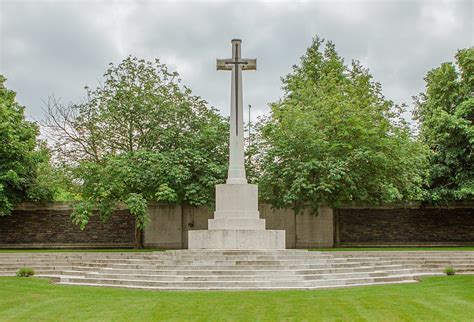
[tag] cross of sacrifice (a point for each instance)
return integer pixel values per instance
(236, 154)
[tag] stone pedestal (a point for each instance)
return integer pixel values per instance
(236, 223)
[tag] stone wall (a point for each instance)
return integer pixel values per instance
(49, 225)
(34, 225)
(170, 225)
(414, 225)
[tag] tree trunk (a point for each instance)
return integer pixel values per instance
(138, 238)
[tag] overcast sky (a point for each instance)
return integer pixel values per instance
(58, 47)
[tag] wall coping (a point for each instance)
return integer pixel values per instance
(411, 205)
(67, 205)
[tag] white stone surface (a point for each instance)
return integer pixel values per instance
(236, 201)
(229, 224)
(236, 239)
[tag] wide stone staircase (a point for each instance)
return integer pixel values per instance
(235, 270)
(421, 262)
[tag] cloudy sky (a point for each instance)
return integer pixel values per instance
(58, 47)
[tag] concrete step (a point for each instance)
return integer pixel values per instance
(197, 271)
(233, 283)
(235, 261)
(235, 267)
(174, 257)
(233, 270)
(287, 276)
(227, 288)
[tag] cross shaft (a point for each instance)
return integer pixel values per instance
(236, 64)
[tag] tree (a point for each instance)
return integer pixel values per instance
(139, 137)
(20, 155)
(446, 114)
(333, 138)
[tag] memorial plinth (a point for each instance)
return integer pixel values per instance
(237, 223)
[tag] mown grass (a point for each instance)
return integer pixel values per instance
(434, 299)
(441, 248)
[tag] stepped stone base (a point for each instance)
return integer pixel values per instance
(236, 239)
(236, 223)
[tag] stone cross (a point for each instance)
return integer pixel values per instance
(236, 64)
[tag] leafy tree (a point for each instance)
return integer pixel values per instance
(58, 178)
(446, 113)
(333, 138)
(139, 137)
(19, 155)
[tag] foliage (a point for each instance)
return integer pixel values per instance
(446, 113)
(25, 272)
(449, 271)
(56, 178)
(333, 138)
(139, 137)
(20, 156)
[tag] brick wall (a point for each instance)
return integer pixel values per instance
(34, 225)
(50, 225)
(405, 226)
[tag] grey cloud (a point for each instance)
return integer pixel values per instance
(58, 47)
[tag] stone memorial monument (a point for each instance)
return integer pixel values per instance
(236, 223)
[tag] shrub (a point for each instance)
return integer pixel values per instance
(25, 272)
(449, 270)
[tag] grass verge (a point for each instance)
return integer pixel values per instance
(436, 298)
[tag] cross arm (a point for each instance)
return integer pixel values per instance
(226, 64)
(223, 64)
(249, 64)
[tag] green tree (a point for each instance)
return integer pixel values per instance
(333, 138)
(20, 156)
(139, 137)
(446, 114)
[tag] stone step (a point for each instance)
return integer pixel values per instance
(242, 257)
(287, 276)
(189, 268)
(45, 267)
(45, 264)
(198, 271)
(436, 263)
(174, 256)
(228, 288)
(205, 265)
(412, 257)
(216, 260)
(197, 260)
(238, 251)
(232, 270)
(243, 284)
(237, 264)
(237, 267)
(77, 270)
(458, 267)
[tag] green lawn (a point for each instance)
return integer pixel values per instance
(436, 298)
